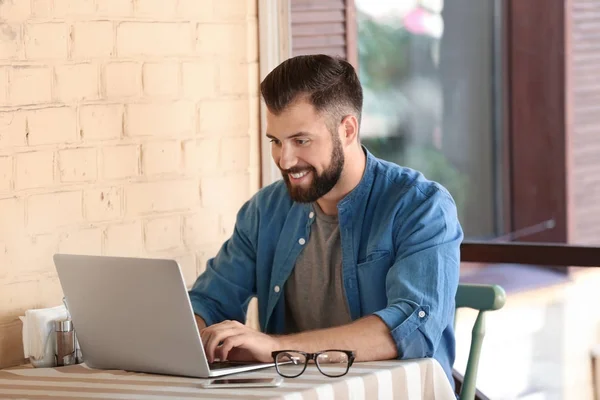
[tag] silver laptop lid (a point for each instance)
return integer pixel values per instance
(132, 314)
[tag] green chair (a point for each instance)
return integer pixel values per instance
(483, 298)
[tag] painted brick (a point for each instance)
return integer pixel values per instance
(196, 10)
(50, 291)
(52, 125)
(12, 215)
(161, 79)
(85, 241)
(123, 240)
(13, 302)
(201, 155)
(70, 8)
(228, 47)
(226, 225)
(153, 39)
(255, 136)
(199, 80)
(4, 261)
(163, 234)
(200, 228)
(114, 8)
(103, 204)
(204, 254)
(76, 82)
(78, 165)
(187, 263)
(46, 212)
(234, 79)
(3, 86)
(235, 154)
(253, 79)
(6, 173)
(216, 116)
(236, 186)
(101, 122)
(231, 10)
(30, 85)
(13, 128)
(92, 39)
(34, 169)
(161, 157)
(160, 119)
(123, 79)
(41, 8)
(255, 177)
(11, 42)
(46, 41)
(33, 256)
(15, 10)
(120, 162)
(155, 8)
(254, 112)
(149, 197)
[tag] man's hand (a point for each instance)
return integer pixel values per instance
(231, 340)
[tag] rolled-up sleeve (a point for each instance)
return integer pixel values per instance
(224, 289)
(421, 285)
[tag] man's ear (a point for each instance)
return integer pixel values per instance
(349, 129)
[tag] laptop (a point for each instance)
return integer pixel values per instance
(135, 314)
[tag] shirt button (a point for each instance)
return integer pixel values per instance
(276, 289)
(312, 214)
(301, 241)
(421, 314)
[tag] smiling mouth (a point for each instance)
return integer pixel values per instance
(299, 175)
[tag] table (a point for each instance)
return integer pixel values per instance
(406, 380)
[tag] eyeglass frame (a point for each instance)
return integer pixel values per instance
(313, 356)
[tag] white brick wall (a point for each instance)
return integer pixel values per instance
(92, 39)
(126, 128)
(122, 79)
(30, 85)
(34, 169)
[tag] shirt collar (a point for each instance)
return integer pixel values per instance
(365, 182)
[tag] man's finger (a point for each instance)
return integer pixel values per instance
(216, 338)
(206, 333)
(229, 343)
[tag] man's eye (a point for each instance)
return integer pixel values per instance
(301, 142)
(275, 141)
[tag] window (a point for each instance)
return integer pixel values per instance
(429, 73)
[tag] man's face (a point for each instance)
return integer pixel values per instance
(309, 156)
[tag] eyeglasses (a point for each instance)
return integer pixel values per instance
(332, 363)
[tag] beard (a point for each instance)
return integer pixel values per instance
(320, 184)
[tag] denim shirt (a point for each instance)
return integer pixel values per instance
(400, 239)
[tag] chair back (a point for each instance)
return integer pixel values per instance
(483, 298)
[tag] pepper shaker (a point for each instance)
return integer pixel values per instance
(65, 343)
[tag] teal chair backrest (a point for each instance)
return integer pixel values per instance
(483, 298)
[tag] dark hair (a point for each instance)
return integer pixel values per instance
(330, 84)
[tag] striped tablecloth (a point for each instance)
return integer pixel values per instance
(414, 379)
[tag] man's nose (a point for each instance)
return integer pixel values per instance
(288, 158)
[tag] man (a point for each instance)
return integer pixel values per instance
(347, 252)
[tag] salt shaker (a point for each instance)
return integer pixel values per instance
(65, 343)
